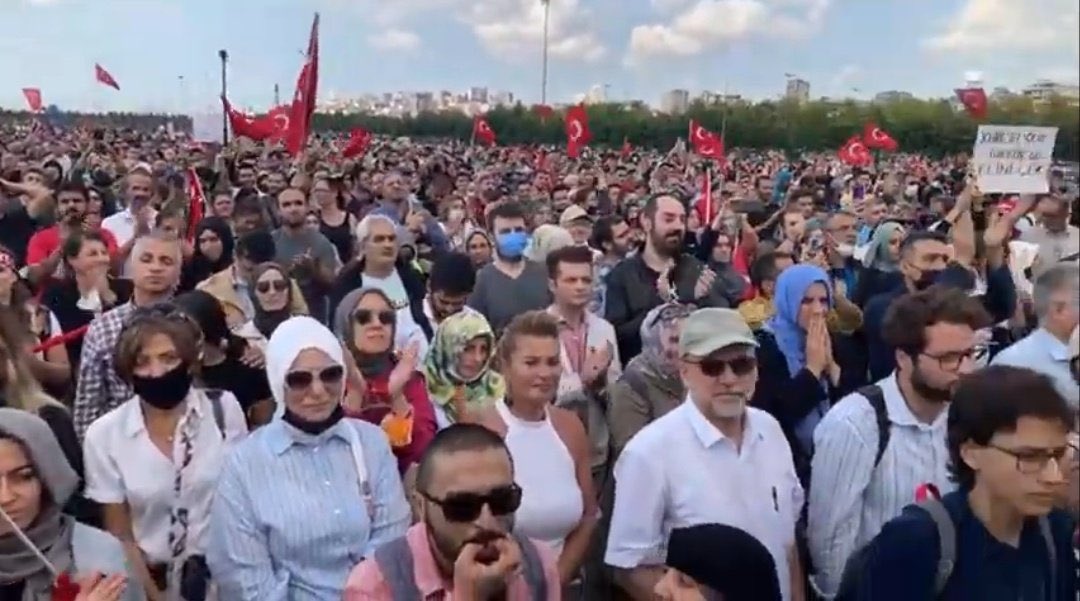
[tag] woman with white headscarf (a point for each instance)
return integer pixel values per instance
(306, 497)
(36, 482)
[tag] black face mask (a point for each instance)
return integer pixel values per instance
(317, 427)
(165, 391)
(928, 278)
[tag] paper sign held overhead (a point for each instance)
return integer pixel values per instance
(1013, 159)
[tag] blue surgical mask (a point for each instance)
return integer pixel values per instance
(511, 245)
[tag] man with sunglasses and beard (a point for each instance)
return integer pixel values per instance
(463, 546)
(45, 249)
(713, 459)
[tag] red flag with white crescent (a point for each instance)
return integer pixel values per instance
(875, 137)
(577, 130)
(279, 117)
(359, 140)
(104, 77)
(855, 153)
(248, 126)
(706, 143)
(303, 104)
(974, 101)
(482, 131)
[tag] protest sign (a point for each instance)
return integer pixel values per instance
(206, 125)
(1013, 159)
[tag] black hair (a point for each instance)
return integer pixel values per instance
(652, 204)
(506, 210)
(76, 187)
(993, 400)
(74, 243)
(456, 438)
(206, 312)
(914, 238)
(256, 247)
(909, 316)
(452, 273)
(763, 269)
(247, 204)
(603, 231)
(580, 255)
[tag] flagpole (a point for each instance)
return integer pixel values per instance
(544, 68)
(224, 56)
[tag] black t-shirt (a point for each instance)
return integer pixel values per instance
(248, 384)
(16, 228)
(62, 297)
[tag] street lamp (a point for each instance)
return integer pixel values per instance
(544, 70)
(224, 56)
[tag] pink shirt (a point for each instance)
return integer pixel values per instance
(366, 582)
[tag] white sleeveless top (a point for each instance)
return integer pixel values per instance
(551, 504)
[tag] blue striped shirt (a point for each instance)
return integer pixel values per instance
(289, 521)
(849, 499)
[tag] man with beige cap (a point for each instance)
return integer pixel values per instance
(711, 460)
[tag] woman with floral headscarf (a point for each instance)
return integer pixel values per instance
(458, 370)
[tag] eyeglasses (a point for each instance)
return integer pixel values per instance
(302, 380)
(1034, 461)
(466, 506)
(739, 366)
(277, 285)
(366, 316)
(952, 361)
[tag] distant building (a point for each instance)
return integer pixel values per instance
(1001, 93)
(797, 90)
(501, 98)
(675, 102)
(425, 102)
(1044, 90)
(892, 96)
(478, 94)
(597, 94)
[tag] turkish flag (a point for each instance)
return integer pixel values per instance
(543, 111)
(303, 104)
(279, 116)
(577, 130)
(706, 143)
(242, 124)
(105, 77)
(33, 98)
(705, 204)
(197, 205)
(626, 148)
(481, 130)
(875, 137)
(855, 153)
(974, 101)
(359, 139)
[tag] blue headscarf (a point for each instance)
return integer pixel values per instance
(791, 287)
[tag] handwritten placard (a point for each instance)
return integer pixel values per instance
(1013, 159)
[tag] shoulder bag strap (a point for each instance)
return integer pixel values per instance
(946, 541)
(357, 449)
(533, 567)
(876, 398)
(1051, 551)
(214, 395)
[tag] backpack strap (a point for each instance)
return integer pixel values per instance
(1051, 550)
(946, 531)
(533, 568)
(395, 561)
(876, 398)
(217, 409)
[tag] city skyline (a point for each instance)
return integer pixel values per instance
(166, 58)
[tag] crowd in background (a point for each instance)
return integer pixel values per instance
(499, 372)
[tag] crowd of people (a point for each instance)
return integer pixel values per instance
(440, 371)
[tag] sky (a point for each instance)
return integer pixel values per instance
(163, 53)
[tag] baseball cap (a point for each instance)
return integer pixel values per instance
(706, 331)
(573, 213)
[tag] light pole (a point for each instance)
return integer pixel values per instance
(544, 69)
(277, 95)
(224, 56)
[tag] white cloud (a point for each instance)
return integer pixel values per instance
(709, 24)
(510, 30)
(395, 39)
(844, 79)
(996, 26)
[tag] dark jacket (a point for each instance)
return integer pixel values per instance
(790, 398)
(351, 277)
(631, 294)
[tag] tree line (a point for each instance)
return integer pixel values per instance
(932, 127)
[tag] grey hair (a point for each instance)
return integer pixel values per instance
(158, 235)
(363, 229)
(1063, 276)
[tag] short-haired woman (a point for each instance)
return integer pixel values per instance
(549, 446)
(153, 461)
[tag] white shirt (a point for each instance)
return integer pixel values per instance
(407, 330)
(124, 465)
(122, 227)
(849, 499)
(681, 471)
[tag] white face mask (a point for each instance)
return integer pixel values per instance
(845, 250)
(911, 191)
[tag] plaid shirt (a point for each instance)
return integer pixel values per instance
(99, 389)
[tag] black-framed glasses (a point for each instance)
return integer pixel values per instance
(302, 380)
(952, 361)
(365, 316)
(739, 366)
(1034, 461)
(466, 506)
(265, 286)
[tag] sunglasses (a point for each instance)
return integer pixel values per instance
(302, 380)
(740, 366)
(366, 316)
(467, 506)
(277, 285)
